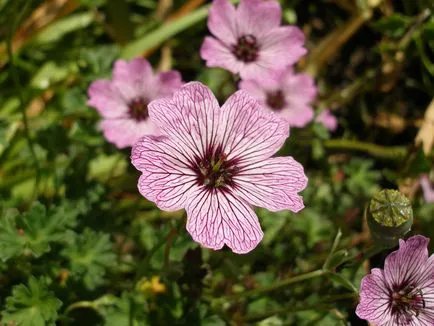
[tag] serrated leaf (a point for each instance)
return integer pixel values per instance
(120, 310)
(33, 232)
(89, 257)
(31, 305)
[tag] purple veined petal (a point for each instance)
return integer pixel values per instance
(427, 188)
(106, 99)
(166, 177)
(273, 183)
(217, 54)
(216, 218)
(191, 117)
(222, 21)
(248, 132)
(282, 47)
(258, 17)
(124, 132)
(374, 302)
(406, 263)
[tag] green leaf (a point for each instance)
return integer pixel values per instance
(33, 232)
(89, 257)
(127, 310)
(32, 305)
(394, 25)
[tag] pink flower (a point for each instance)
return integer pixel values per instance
(286, 94)
(123, 101)
(249, 39)
(216, 163)
(427, 188)
(402, 293)
(326, 118)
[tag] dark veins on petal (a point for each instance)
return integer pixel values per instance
(214, 170)
(246, 49)
(406, 302)
(276, 100)
(138, 109)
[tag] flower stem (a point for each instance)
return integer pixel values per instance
(79, 305)
(394, 152)
(278, 285)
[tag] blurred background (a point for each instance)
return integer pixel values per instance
(80, 246)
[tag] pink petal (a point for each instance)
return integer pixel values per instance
(126, 132)
(106, 99)
(273, 184)
(191, 117)
(217, 218)
(166, 178)
(258, 17)
(299, 87)
(222, 21)
(297, 115)
(407, 263)
(249, 132)
(134, 78)
(427, 188)
(217, 54)
(374, 299)
(327, 119)
(282, 47)
(170, 81)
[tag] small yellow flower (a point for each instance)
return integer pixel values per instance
(152, 286)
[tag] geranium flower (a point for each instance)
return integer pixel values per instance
(326, 118)
(403, 293)
(427, 188)
(286, 94)
(123, 101)
(216, 163)
(249, 39)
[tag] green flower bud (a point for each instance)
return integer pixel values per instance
(389, 217)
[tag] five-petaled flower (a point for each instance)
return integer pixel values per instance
(123, 101)
(287, 94)
(403, 293)
(216, 163)
(249, 39)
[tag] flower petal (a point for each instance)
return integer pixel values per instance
(222, 21)
(328, 120)
(297, 115)
(216, 218)
(134, 78)
(374, 299)
(407, 263)
(126, 132)
(217, 54)
(107, 100)
(273, 184)
(191, 117)
(166, 178)
(248, 132)
(170, 81)
(282, 47)
(258, 17)
(427, 188)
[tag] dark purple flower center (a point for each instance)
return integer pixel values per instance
(215, 170)
(407, 302)
(246, 49)
(276, 100)
(138, 109)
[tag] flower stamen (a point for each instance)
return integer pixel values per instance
(138, 109)
(246, 49)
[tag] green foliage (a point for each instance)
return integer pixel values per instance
(31, 305)
(89, 255)
(32, 233)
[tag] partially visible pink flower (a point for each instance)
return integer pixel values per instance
(403, 293)
(427, 188)
(216, 163)
(326, 118)
(287, 94)
(249, 39)
(123, 101)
